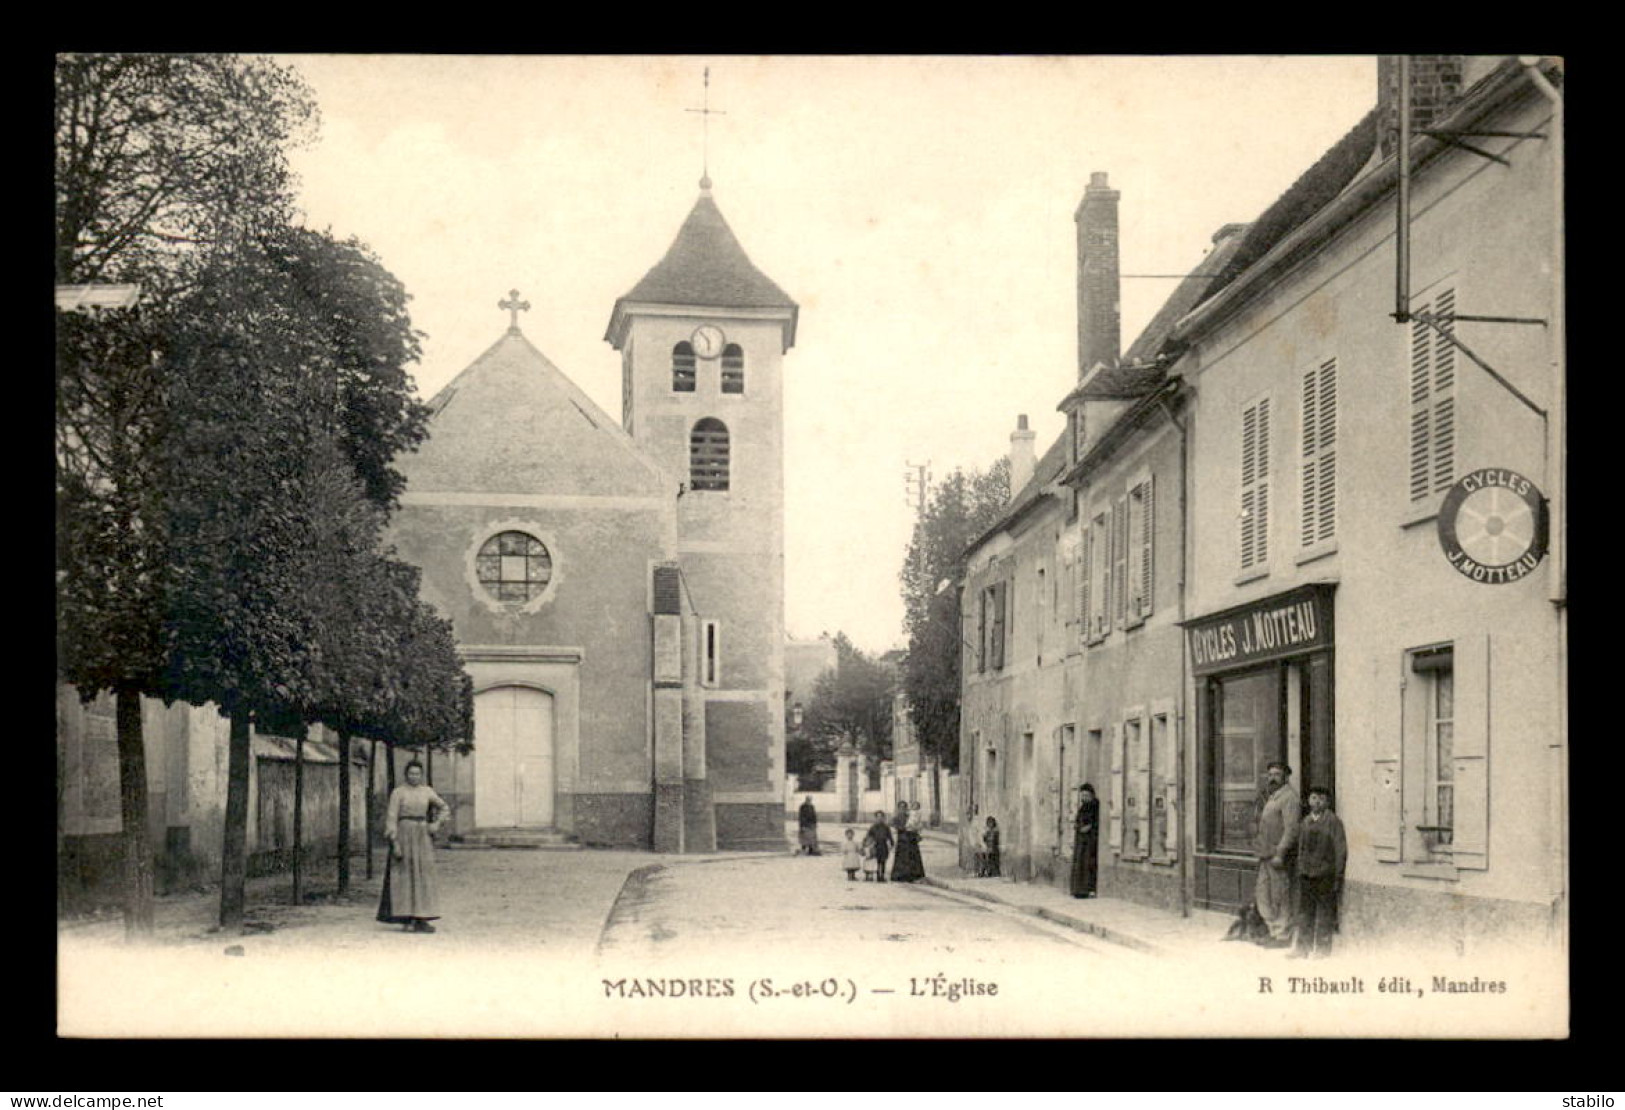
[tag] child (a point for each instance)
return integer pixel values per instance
(990, 854)
(851, 857)
(870, 864)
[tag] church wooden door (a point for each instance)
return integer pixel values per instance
(513, 758)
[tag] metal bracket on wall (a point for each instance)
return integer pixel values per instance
(1432, 321)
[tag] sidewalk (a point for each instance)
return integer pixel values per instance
(1142, 928)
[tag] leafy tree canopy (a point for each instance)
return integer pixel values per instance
(962, 508)
(852, 704)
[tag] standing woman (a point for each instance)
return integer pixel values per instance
(415, 814)
(1086, 843)
(908, 866)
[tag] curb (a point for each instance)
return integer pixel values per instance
(1093, 928)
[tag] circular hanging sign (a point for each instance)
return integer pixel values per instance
(1492, 526)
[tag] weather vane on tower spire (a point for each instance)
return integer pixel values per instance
(706, 113)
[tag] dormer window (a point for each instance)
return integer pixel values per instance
(708, 455)
(733, 369)
(682, 368)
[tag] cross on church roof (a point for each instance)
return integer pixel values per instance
(705, 114)
(514, 306)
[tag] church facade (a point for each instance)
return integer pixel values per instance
(617, 588)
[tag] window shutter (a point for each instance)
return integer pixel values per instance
(1148, 534)
(1120, 561)
(1167, 760)
(1433, 399)
(1311, 449)
(998, 624)
(1107, 585)
(1255, 495)
(1469, 844)
(1261, 494)
(1142, 773)
(1086, 568)
(1387, 816)
(1115, 827)
(981, 630)
(1328, 450)
(1319, 519)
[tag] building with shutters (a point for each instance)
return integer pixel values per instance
(1327, 625)
(617, 586)
(1302, 519)
(1074, 650)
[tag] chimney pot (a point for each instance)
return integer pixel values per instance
(1023, 459)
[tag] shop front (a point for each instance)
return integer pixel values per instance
(1263, 675)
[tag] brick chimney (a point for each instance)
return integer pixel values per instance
(1435, 88)
(1099, 325)
(1022, 459)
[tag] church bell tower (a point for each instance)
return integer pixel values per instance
(702, 339)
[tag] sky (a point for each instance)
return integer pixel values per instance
(919, 210)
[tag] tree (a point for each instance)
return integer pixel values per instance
(155, 156)
(283, 373)
(961, 510)
(851, 704)
(159, 155)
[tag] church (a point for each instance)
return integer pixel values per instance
(617, 588)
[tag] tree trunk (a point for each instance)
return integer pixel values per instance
(132, 774)
(936, 792)
(372, 800)
(344, 812)
(389, 760)
(298, 808)
(234, 851)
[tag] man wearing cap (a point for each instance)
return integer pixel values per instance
(1277, 837)
(1322, 853)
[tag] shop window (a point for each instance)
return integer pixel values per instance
(1433, 400)
(1255, 484)
(708, 455)
(682, 368)
(733, 369)
(1319, 457)
(1246, 736)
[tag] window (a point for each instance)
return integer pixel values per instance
(733, 369)
(682, 368)
(1141, 532)
(708, 455)
(1042, 601)
(1255, 484)
(1246, 735)
(711, 655)
(1120, 585)
(1433, 400)
(1098, 583)
(994, 606)
(1436, 670)
(1077, 434)
(1319, 521)
(1132, 784)
(513, 566)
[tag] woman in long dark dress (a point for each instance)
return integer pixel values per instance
(415, 812)
(1086, 843)
(909, 867)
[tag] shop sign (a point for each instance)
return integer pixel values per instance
(1297, 621)
(1492, 526)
